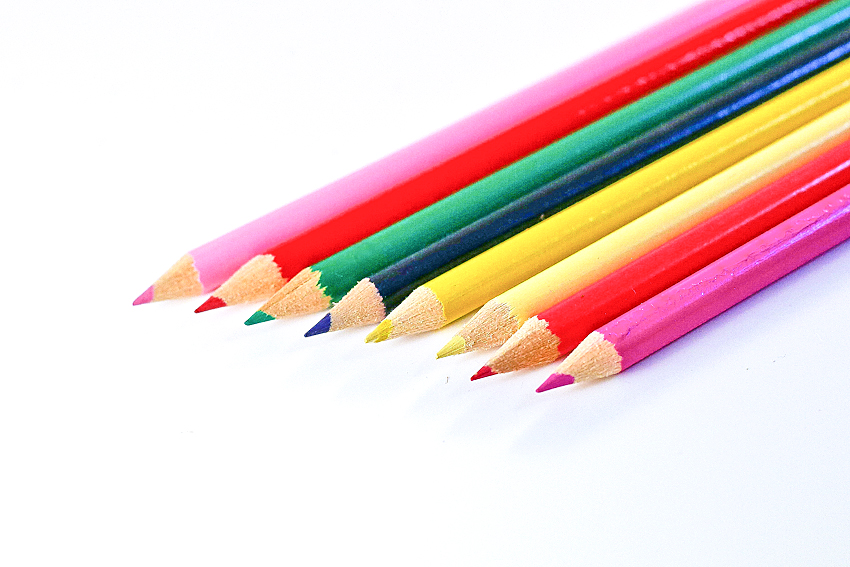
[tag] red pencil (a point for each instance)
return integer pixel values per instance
(264, 274)
(665, 317)
(558, 330)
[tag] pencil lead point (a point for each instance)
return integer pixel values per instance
(146, 297)
(212, 303)
(381, 332)
(455, 346)
(259, 317)
(483, 372)
(321, 327)
(556, 380)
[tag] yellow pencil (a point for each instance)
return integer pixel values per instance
(502, 316)
(471, 284)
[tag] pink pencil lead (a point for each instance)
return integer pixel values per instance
(146, 297)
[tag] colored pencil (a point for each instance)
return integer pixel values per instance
(468, 286)
(265, 273)
(502, 316)
(709, 292)
(372, 298)
(555, 332)
(315, 287)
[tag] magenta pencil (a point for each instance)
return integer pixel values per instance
(205, 268)
(661, 320)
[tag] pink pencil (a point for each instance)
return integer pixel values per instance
(205, 268)
(654, 324)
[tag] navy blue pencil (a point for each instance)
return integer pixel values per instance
(373, 297)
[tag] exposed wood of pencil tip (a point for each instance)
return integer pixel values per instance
(299, 295)
(489, 328)
(181, 280)
(297, 280)
(594, 358)
(532, 345)
(421, 311)
(362, 305)
(258, 279)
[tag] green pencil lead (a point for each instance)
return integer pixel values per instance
(259, 317)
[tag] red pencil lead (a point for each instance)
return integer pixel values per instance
(483, 372)
(212, 303)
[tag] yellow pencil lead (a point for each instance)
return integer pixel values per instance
(381, 332)
(455, 346)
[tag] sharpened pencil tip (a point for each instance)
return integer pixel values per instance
(259, 317)
(321, 327)
(455, 346)
(381, 332)
(146, 297)
(483, 372)
(556, 380)
(212, 303)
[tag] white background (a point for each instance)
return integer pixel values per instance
(131, 132)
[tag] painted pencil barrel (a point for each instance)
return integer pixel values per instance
(522, 177)
(517, 259)
(728, 281)
(395, 281)
(468, 150)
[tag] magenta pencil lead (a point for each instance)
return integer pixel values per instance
(556, 380)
